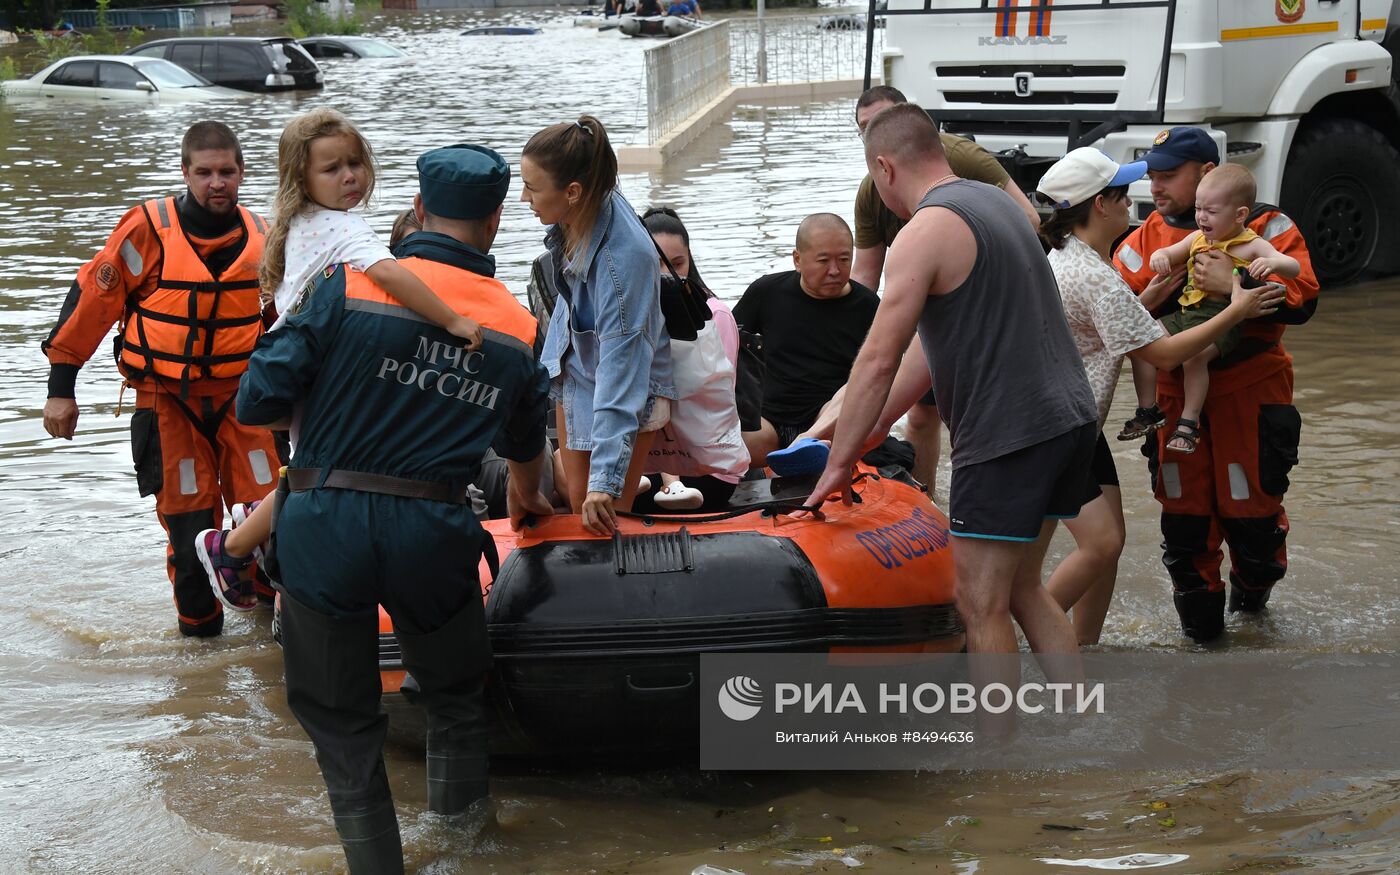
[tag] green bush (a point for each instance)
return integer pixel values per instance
(103, 41)
(305, 17)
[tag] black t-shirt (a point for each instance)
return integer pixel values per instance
(809, 345)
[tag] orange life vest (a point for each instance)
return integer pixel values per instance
(193, 326)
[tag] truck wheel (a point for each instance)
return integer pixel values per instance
(1342, 187)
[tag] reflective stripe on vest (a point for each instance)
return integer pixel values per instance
(194, 326)
(483, 298)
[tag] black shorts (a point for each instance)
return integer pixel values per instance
(788, 432)
(928, 399)
(1105, 471)
(1010, 497)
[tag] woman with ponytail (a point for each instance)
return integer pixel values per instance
(1089, 193)
(606, 349)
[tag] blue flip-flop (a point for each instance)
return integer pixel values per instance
(805, 456)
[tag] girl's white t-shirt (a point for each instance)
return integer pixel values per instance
(316, 239)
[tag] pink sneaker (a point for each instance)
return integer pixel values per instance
(230, 578)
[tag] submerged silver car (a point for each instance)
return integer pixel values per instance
(119, 78)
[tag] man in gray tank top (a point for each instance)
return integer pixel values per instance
(969, 274)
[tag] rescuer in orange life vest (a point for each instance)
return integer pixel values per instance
(180, 274)
(1232, 486)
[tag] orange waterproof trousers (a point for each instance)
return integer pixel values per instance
(1231, 488)
(196, 458)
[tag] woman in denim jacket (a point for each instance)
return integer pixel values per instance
(606, 349)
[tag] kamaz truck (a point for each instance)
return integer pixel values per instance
(1299, 91)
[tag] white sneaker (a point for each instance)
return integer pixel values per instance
(643, 485)
(678, 496)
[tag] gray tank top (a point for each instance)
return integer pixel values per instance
(1005, 368)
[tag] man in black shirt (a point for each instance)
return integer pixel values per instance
(813, 320)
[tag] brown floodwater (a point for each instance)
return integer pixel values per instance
(125, 748)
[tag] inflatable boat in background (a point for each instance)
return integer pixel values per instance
(657, 26)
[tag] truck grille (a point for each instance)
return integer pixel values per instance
(1040, 98)
(1004, 128)
(1063, 71)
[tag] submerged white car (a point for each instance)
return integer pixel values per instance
(121, 78)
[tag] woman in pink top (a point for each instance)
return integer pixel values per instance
(713, 491)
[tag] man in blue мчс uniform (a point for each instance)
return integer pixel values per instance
(394, 418)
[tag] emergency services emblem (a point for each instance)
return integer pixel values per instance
(1161, 138)
(106, 276)
(1289, 11)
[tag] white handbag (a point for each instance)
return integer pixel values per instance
(702, 436)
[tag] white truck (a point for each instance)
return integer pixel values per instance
(1300, 91)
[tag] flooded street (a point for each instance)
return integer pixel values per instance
(125, 748)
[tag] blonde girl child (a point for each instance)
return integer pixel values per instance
(325, 168)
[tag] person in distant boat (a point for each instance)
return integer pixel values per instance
(684, 8)
(180, 277)
(648, 8)
(395, 416)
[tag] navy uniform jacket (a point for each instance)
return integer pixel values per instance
(384, 391)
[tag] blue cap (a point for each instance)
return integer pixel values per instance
(1174, 147)
(462, 181)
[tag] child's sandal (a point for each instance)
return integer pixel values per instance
(1186, 436)
(1143, 423)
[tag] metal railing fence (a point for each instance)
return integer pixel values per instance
(799, 49)
(683, 74)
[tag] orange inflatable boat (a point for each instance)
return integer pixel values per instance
(597, 640)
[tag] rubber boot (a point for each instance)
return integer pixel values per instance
(371, 841)
(1202, 614)
(1247, 599)
(332, 673)
(193, 598)
(449, 666)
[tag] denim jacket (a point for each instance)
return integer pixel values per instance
(609, 314)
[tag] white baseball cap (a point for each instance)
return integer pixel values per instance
(1083, 173)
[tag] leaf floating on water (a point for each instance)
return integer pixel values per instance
(1159, 805)
(824, 838)
(1168, 822)
(852, 829)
